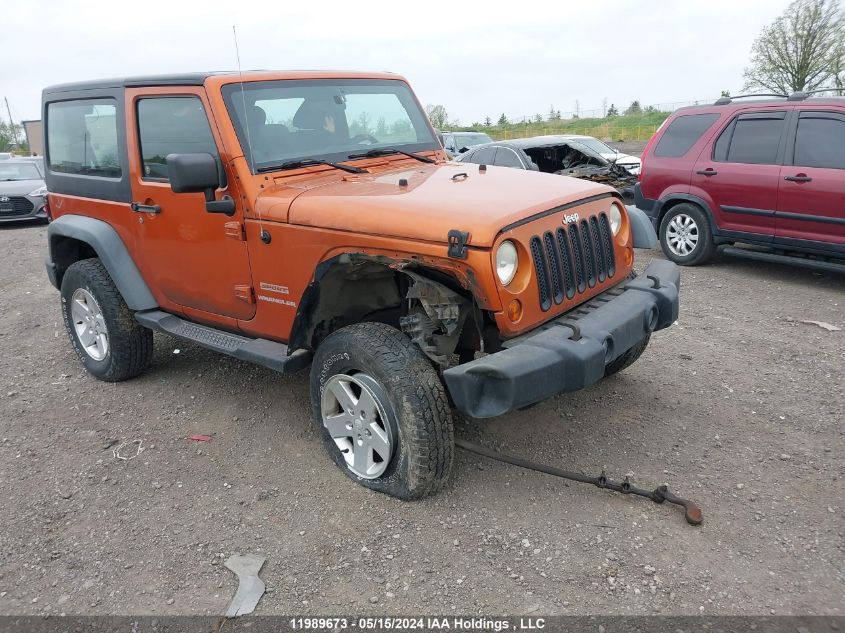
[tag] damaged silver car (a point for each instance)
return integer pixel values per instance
(563, 155)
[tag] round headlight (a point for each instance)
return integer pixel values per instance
(615, 218)
(506, 262)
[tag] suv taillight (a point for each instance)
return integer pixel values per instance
(645, 151)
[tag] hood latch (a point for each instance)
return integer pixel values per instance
(458, 243)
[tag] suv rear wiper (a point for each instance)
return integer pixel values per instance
(384, 151)
(307, 162)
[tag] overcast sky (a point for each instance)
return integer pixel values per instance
(476, 58)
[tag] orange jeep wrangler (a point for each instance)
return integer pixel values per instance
(296, 218)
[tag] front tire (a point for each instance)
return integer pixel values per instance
(382, 411)
(628, 358)
(686, 235)
(111, 344)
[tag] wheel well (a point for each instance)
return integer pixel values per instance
(345, 293)
(65, 251)
(671, 204)
(674, 202)
(356, 288)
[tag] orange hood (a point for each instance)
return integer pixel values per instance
(437, 198)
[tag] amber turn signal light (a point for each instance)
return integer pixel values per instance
(515, 310)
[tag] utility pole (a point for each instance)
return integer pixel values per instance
(12, 128)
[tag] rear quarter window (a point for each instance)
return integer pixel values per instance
(682, 133)
(82, 137)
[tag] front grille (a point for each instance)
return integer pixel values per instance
(19, 206)
(572, 259)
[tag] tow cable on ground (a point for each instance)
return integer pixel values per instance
(658, 495)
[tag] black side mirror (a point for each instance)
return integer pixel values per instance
(198, 173)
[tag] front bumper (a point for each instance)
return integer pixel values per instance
(37, 212)
(553, 358)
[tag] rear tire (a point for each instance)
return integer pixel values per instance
(111, 344)
(382, 411)
(628, 358)
(686, 235)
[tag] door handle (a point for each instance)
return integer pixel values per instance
(144, 208)
(798, 178)
(707, 172)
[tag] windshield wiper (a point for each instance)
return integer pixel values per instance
(307, 162)
(384, 151)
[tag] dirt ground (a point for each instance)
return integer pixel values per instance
(739, 407)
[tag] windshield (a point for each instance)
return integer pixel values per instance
(466, 140)
(289, 120)
(18, 171)
(596, 145)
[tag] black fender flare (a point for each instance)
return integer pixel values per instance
(103, 240)
(685, 197)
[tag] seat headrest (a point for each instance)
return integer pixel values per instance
(256, 116)
(311, 115)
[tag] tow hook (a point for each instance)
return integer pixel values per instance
(660, 494)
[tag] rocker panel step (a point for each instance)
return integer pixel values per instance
(255, 350)
(790, 260)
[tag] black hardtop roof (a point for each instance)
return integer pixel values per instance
(181, 79)
(198, 79)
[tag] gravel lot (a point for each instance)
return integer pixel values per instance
(739, 407)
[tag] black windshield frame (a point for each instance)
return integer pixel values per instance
(420, 124)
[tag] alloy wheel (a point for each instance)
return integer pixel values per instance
(355, 413)
(89, 324)
(682, 235)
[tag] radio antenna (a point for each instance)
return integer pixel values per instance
(243, 99)
(265, 236)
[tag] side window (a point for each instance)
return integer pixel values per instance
(506, 157)
(820, 140)
(751, 139)
(82, 137)
(171, 125)
(483, 155)
(683, 133)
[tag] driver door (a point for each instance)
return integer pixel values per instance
(196, 260)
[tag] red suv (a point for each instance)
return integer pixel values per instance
(768, 173)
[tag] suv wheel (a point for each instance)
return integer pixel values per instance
(628, 358)
(685, 235)
(382, 411)
(110, 342)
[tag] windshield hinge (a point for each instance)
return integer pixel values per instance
(458, 243)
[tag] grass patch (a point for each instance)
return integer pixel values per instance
(628, 127)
